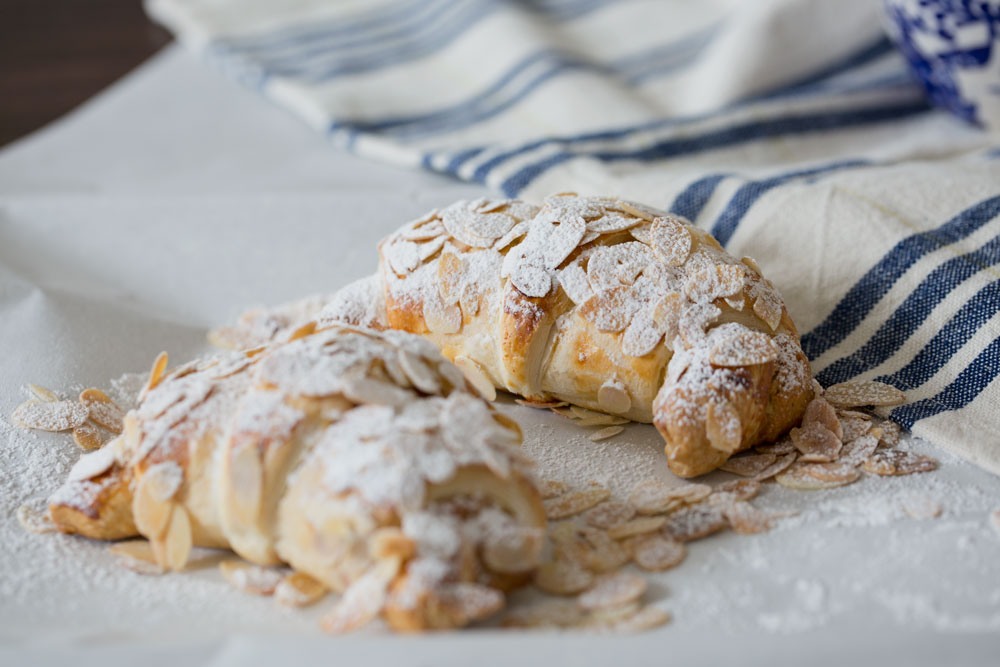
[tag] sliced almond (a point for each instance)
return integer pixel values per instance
(155, 373)
(694, 522)
(103, 411)
(858, 450)
(603, 420)
(391, 541)
(670, 240)
(363, 600)
(477, 377)
(613, 397)
(540, 405)
(563, 577)
(646, 618)
(819, 411)
(858, 393)
(440, 317)
(177, 542)
(723, 427)
(656, 553)
(92, 465)
(136, 555)
(259, 580)
(891, 432)
(162, 480)
(747, 348)
(816, 476)
(891, 462)
(748, 466)
(513, 550)
(768, 308)
(419, 373)
(656, 497)
(87, 437)
(610, 310)
(43, 394)
(611, 591)
(550, 488)
(466, 602)
(777, 467)
(246, 479)
(780, 448)
(746, 519)
(611, 513)
(638, 526)
(733, 491)
(605, 433)
(50, 415)
(816, 443)
(35, 520)
(574, 502)
(921, 507)
(550, 614)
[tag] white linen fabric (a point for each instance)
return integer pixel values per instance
(791, 129)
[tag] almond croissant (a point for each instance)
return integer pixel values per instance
(360, 458)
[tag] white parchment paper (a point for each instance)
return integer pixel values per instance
(175, 200)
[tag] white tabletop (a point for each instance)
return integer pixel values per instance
(174, 200)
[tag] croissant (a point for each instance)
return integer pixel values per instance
(362, 459)
(602, 303)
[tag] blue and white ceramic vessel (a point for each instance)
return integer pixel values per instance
(953, 46)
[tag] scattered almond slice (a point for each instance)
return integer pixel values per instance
(465, 602)
(609, 514)
(103, 411)
(550, 614)
(803, 477)
(744, 349)
(251, 578)
(860, 393)
(816, 443)
(777, 448)
(746, 519)
(581, 413)
(605, 433)
(733, 491)
(656, 553)
(92, 465)
(363, 600)
(611, 591)
(550, 488)
(541, 405)
(777, 467)
(87, 437)
(644, 619)
(656, 497)
(670, 240)
(574, 502)
(891, 433)
(136, 555)
(819, 411)
(603, 553)
(477, 377)
(43, 394)
(34, 520)
(606, 420)
(563, 577)
(858, 450)
(50, 415)
(613, 397)
(748, 466)
(155, 374)
(162, 480)
(853, 427)
(177, 541)
(298, 589)
(921, 507)
(891, 462)
(694, 523)
(638, 526)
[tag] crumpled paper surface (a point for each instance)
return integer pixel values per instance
(174, 201)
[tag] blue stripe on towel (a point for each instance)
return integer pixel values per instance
(861, 298)
(959, 393)
(782, 126)
(689, 203)
(914, 310)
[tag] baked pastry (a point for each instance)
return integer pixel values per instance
(603, 303)
(360, 458)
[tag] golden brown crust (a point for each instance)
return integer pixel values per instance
(102, 514)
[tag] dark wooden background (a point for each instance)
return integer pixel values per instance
(54, 54)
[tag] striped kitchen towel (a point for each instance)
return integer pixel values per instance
(790, 129)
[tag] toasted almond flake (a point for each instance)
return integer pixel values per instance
(736, 301)
(474, 373)
(419, 373)
(819, 411)
(712, 282)
(733, 491)
(103, 411)
(639, 210)
(152, 517)
(769, 308)
(162, 480)
(513, 550)
(43, 394)
(583, 413)
(656, 553)
(646, 618)
(87, 437)
(667, 316)
(50, 415)
(605, 420)
(891, 462)
(744, 349)
(777, 467)
(34, 520)
(390, 541)
(890, 434)
(642, 335)
(638, 526)
(609, 514)
(92, 465)
(550, 488)
(655, 497)
(694, 522)
(563, 577)
(532, 281)
(441, 317)
(136, 555)
(670, 240)
(613, 397)
(723, 427)
(750, 465)
(177, 541)
(467, 602)
(611, 591)
(921, 507)
(816, 476)
(363, 600)
(816, 443)
(858, 450)
(563, 239)
(449, 272)
(853, 427)
(779, 448)
(155, 374)
(752, 264)
(574, 282)
(609, 310)
(746, 519)
(605, 433)
(540, 405)
(564, 412)
(858, 393)
(574, 502)
(618, 265)
(253, 579)
(603, 553)
(550, 614)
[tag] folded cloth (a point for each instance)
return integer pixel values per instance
(788, 128)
